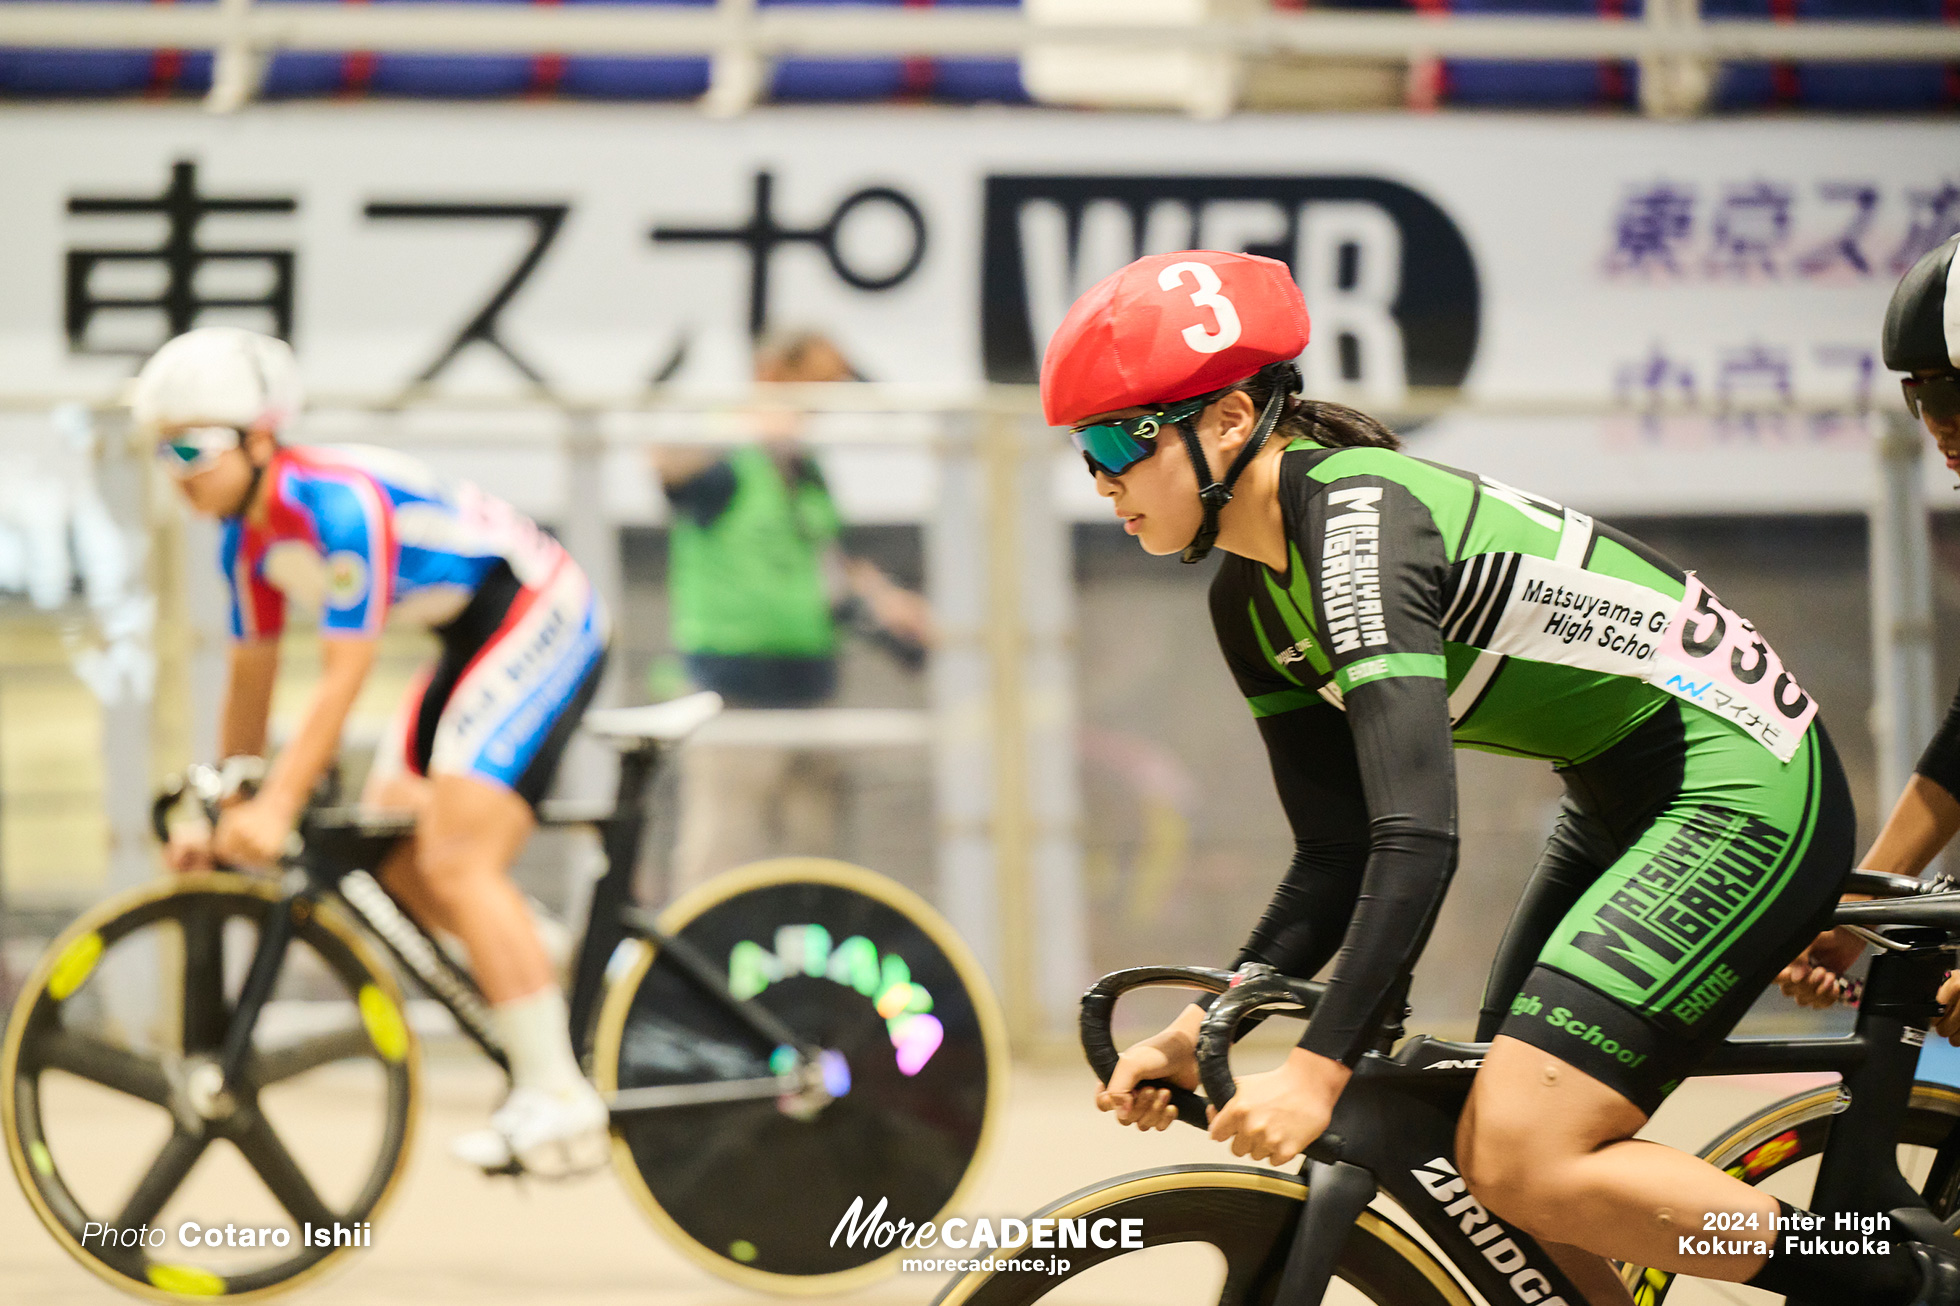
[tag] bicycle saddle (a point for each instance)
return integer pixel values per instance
(664, 723)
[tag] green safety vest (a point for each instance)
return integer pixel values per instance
(752, 581)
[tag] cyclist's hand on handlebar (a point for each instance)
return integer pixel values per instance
(253, 833)
(1815, 978)
(1148, 1107)
(1276, 1116)
(1949, 1024)
(1172, 1055)
(189, 849)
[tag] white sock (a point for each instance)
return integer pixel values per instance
(538, 1040)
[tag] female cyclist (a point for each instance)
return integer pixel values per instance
(1377, 610)
(359, 535)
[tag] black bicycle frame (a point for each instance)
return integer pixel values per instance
(341, 846)
(340, 851)
(620, 832)
(1394, 1127)
(614, 918)
(1397, 1123)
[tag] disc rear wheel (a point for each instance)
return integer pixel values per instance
(914, 1053)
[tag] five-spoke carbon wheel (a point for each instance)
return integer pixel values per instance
(109, 1092)
(1247, 1215)
(914, 1053)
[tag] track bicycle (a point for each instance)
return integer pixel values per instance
(789, 1037)
(1298, 1239)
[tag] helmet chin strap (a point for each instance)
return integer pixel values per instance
(1216, 494)
(251, 489)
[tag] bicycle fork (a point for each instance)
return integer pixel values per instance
(210, 1087)
(207, 1088)
(1337, 1194)
(274, 939)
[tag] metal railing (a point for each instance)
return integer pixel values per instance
(1007, 816)
(1672, 40)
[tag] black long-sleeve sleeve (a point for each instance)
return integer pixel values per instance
(1371, 796)
(1940, 763)
(1319, 785)
(1402, 744)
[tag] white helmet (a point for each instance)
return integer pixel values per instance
(218, 376)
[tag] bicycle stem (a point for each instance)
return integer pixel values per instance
(1896, 1001)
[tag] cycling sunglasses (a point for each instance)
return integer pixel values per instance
(195, 448)
(1937, 397)
(1113, 448)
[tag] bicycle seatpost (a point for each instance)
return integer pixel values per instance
(605, 928)
(637, 767)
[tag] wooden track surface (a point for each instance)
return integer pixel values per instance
(453, 1237)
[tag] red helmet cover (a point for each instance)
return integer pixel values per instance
(1170, 326)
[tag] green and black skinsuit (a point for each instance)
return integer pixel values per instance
(1706, 825)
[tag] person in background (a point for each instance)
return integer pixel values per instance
(1922, 339)
(758, 587)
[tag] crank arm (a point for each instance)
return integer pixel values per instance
(637, 1101)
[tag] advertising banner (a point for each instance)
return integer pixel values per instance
(1572, 265)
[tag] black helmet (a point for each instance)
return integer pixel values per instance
(1922, 323)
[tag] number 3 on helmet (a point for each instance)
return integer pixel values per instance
(1131, 343)
(1170, 327)
(1205, 296)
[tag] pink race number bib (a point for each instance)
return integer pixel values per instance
(1712, 657)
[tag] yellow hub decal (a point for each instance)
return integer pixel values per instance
(187, 1281)
(384, 1023)
(76, 962)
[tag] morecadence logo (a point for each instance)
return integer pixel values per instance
(997, 1241)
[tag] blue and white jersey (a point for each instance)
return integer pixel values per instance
(362, 534)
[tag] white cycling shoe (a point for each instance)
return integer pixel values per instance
(551, 1135)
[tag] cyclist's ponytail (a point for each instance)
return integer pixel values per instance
(1333, 425)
